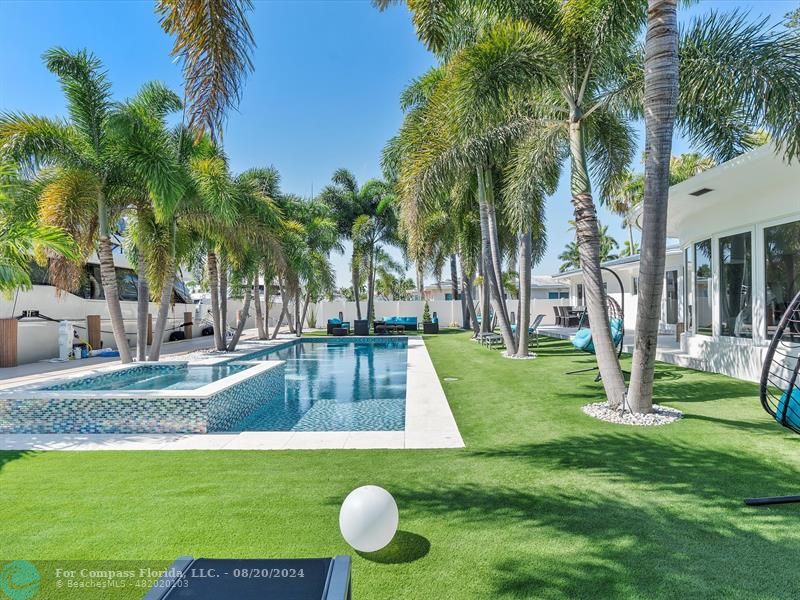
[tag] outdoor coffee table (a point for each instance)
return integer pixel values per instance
(255, 579)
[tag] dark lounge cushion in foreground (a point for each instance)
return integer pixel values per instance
(255, 579)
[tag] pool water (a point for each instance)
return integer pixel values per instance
(155, 377)
(337, 386)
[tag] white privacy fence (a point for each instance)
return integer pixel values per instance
(37, 339)
(448, 311)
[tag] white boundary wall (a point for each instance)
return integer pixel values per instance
(38, 339)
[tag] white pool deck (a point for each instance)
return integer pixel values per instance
(429, 422)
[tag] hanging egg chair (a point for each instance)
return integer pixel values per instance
(780, 382)
(582, 340)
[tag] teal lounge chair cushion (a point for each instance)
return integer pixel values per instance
(792, 410)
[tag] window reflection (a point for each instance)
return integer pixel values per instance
(782, 271)
(736, 284)
(702, 286)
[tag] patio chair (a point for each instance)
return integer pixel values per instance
(780, 383)
(337, 324)
(533, 330)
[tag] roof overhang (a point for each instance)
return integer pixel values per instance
(744, 176)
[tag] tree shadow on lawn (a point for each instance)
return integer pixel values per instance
(667, 521)
(7, 456)
(701, 473)
(765, 427)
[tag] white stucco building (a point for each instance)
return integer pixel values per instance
(543, 287)
(734, 267)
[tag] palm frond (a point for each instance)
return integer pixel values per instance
(737, 76)
(610, 146)
(87, 90)
(33, 142)
(214, 41)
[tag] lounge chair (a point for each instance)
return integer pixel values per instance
(237, 578)
(533, 330)
(337, 324)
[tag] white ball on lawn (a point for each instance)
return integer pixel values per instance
(368, 518)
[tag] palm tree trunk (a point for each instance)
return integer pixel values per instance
(454, 276)
(494, 242)
(484, 326)
(242, 320)
(165, 301)
(660, 102)
(223, 294)
(108, 277)
(262, 332)
(142, 306)
(356, 284)
(524, 311)
(588, 237)
(490, 253)
(279, 322)
(298, 324)
(286, 304)
(306, 302)
(466, 298)
(371, 285)
(213, 284)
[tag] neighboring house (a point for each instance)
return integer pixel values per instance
(440, 290)
(37, 337)
(543, 287)
(627, 269)
(736, 266)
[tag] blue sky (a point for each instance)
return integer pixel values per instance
(324, 93)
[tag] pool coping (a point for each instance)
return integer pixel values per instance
(429, 422)
(35, 391)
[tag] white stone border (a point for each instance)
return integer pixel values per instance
(429, 424)
(34, 391)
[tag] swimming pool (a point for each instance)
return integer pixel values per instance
(336, 385)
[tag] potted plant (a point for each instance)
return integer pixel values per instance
(429, 325)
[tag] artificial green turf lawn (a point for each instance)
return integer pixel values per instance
(544, 502)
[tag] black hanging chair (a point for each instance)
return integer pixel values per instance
(780, 382)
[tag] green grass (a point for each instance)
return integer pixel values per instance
(544, 502)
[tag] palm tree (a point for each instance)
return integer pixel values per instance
(627, 194)
(629, 249)
(203, 202)
(214, 42)
(570, 258)
(721, 107)
(445, 163)
(348, 202)
(371, 231)
(22, 238)
(578, 69)
(607, 244)
(87, 189)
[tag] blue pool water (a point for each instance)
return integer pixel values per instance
(151, 377)
(337, 386)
